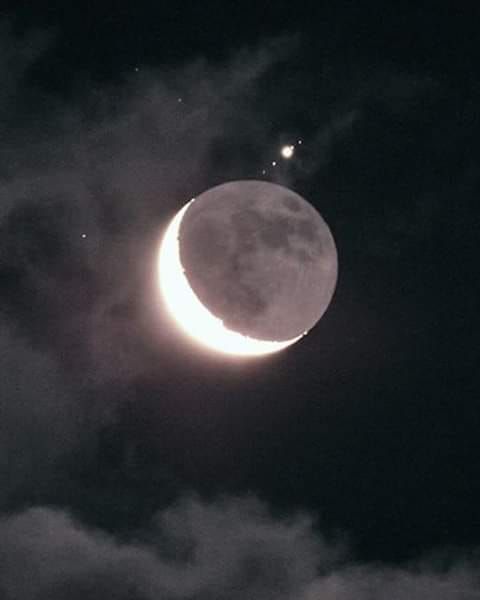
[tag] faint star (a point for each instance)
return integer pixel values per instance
(274, 163)
(84, 235)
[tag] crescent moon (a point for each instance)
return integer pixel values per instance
(191, 315)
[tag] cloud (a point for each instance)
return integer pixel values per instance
(377, 583)
(228, 548)
(328, 134)
(86, 188)
(17, 56)
(40, 417)
(80, 322)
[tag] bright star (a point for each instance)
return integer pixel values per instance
(287, 151)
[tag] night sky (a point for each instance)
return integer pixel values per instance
(134, 464)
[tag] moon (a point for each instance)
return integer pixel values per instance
(247, 268)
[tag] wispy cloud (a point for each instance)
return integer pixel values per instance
(87, 187)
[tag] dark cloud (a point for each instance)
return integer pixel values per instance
(119, 159)
(230, 548)
(87, 189)
(39, 416)
(18, 55)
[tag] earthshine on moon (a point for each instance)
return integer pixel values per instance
(247, 268)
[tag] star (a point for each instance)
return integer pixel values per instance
(287, 151)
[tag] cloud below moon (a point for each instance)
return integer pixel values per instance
(231, 548)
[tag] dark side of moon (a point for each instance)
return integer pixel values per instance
(259, 257)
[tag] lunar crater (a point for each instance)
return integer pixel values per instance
(292, 204)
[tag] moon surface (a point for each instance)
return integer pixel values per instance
(247, 268)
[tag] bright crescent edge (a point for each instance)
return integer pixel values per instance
(190, 314)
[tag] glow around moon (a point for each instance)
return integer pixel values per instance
(191, 315)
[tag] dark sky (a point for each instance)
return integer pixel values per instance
(136, 466)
